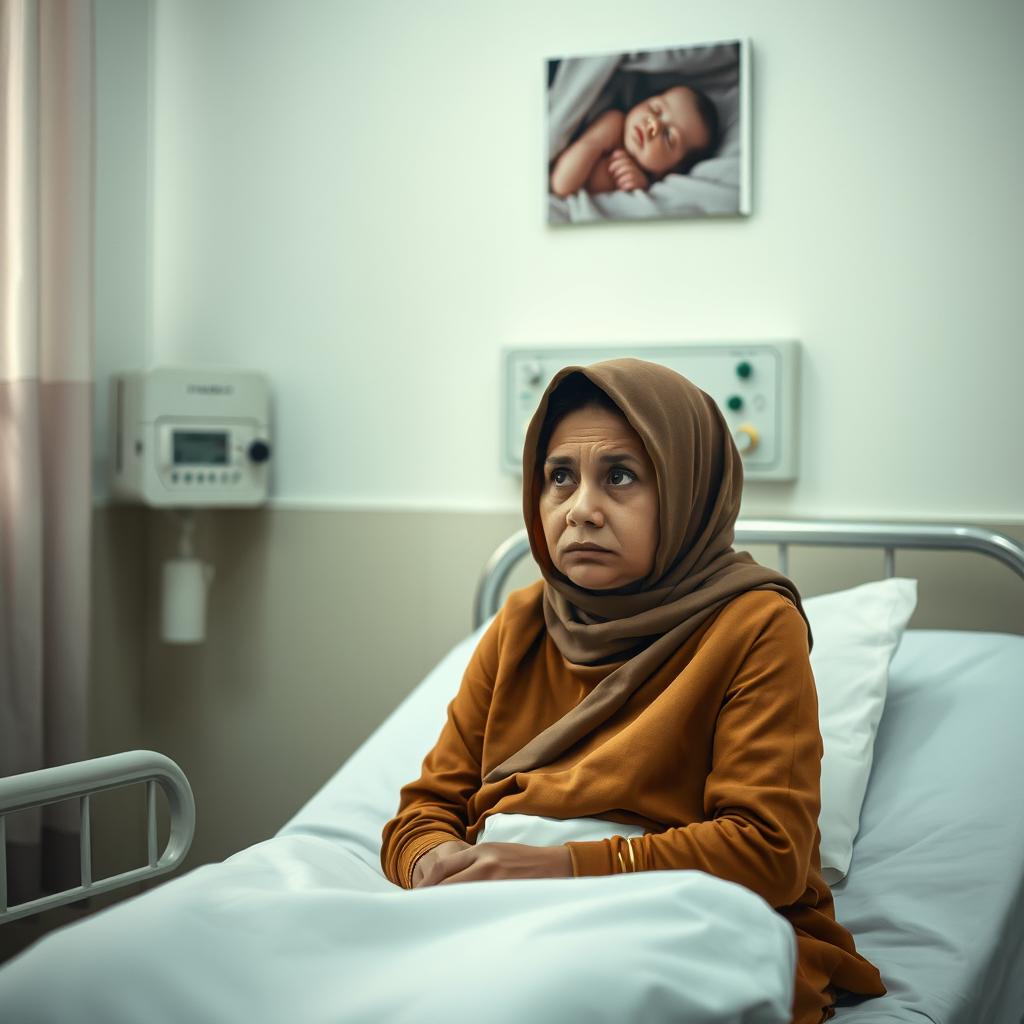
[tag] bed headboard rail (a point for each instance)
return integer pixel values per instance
(786, 532)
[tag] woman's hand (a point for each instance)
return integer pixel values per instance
(625, 171)
(499, 860)
(431, 857)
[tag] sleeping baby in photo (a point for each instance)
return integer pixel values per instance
(621, 150)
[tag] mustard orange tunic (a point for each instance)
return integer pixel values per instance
(718, 756)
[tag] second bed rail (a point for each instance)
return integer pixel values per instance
(84, 779)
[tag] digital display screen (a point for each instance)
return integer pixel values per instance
(194, 448)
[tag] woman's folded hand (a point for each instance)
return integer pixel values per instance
(431, 857)
(496, 860)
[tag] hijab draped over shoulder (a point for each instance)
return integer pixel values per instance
(695, 574)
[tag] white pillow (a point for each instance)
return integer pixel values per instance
(856, 632)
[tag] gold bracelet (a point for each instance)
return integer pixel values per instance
(632, 859)
(622, 866)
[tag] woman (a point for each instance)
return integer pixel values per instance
(661, 682)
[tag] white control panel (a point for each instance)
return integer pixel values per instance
(755, 384)
(186, 438)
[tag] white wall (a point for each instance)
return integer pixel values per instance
(124, 205)
(349, 197)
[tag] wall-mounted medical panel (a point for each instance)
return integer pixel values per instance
(188, 438)
(755, 384)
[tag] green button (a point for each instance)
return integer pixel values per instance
(744, 370)
(735, 403)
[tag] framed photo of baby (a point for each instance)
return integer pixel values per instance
(649, 134)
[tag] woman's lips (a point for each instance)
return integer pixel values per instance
(639, 135)
(585, 551)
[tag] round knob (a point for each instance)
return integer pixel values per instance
(259, 451)
(735, 402)
(744, 369)
(746, 437)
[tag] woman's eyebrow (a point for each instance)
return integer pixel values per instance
(568, 460)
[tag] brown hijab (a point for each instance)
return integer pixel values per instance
(695, 573)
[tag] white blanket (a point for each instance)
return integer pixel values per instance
(301, 928)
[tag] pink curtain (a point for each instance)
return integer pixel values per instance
(46, 328)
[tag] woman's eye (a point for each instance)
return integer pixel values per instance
(557, 482)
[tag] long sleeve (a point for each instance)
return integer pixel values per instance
(762, 794)
(432, 809)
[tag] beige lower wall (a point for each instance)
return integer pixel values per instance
(319, 623)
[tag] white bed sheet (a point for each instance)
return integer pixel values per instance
(935, 893)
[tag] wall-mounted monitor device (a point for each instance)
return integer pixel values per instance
(191, 438)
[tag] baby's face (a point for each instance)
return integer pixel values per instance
(659, 132)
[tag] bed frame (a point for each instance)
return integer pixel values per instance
(86, 778)
(786, 532)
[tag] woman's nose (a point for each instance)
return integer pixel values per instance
(652, 126)
(584, 509)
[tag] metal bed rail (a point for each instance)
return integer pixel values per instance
(786, 532)
(82, 780)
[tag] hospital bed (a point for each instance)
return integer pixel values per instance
(304, 926)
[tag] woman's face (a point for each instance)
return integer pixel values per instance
(599, 488)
